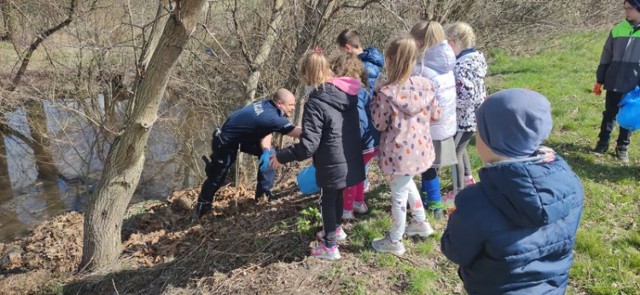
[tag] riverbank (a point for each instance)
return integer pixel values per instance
(261, 247)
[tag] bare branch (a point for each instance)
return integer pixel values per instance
(352, 6)
(241, 39)
(215, 39)
(34, 45)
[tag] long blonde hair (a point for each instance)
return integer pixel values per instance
(400, 57)
(427, 33)
(314, 69)
(462, 34)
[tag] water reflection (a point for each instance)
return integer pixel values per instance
(53, 156)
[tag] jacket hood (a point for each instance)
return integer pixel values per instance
(406, 98)
(531, 193)
(348, 85)
(475, 62)
(439, 58)
(334, 96)
(372, 55)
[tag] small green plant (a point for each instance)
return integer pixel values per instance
(309, 219)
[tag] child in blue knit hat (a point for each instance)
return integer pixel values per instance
(514, 231)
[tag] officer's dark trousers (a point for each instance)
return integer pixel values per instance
(222, 158)
(609, 122)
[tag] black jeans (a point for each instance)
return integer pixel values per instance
(430, 174)
(222, 159)
(331, 208)
(609, 122)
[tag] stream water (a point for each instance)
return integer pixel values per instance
(43, 176)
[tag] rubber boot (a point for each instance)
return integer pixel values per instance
(431, 197)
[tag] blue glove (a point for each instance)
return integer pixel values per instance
(264, 160)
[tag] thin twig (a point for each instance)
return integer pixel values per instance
(114, 286)
(215, 40)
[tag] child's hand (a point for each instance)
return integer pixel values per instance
(273, 162)
(597, 88)
(436, 114)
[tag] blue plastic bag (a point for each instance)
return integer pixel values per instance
(307, 180)
(629, 113)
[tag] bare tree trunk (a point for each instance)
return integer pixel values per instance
(156, 32)
(187, 150)
(107, 206)
(265, 49)
(315, 18)
(5, 180)
(255, 65)
(7, 21)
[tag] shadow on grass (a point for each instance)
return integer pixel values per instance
(585, 164)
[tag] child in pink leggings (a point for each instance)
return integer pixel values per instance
(343, 66)
(353, 197)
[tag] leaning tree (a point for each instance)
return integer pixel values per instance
(107, 205)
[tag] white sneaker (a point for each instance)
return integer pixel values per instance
(348, 215)
(360, 207)
(422, 229)
(340, 235)
(387, 246)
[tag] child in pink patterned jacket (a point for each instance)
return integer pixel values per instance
(402, 110)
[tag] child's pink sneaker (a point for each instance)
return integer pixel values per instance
(449, 198)
(321, 251)
(360, 207)
(340, 235)
(348, 215)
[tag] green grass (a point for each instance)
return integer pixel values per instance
(422, 281)
(607, 252)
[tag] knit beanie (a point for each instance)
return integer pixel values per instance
(514, 122)
(634, 3)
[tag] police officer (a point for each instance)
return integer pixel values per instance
(249, 128)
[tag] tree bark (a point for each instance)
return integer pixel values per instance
(265, 49)
(154, 35)
(107, 206)
(255, 64)
(7, 20)
(6, 189)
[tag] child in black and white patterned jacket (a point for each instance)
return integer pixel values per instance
(470, 71)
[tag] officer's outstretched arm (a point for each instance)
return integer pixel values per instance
(265, 142)
(296, 132)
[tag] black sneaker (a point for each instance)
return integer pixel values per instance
(622, 155)
(271, 196)
(601, 148)
(202, 209)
